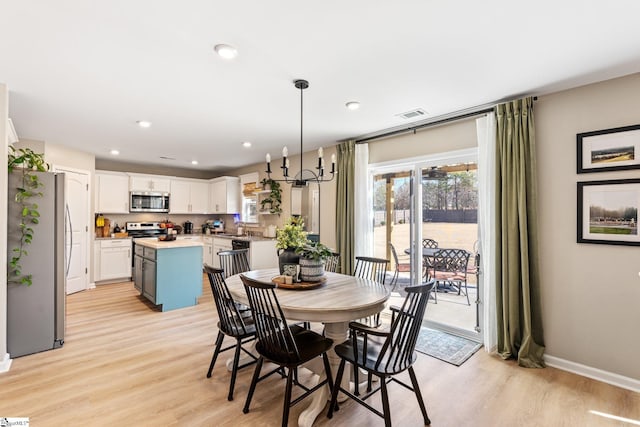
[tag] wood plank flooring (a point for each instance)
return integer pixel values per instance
(126, 363)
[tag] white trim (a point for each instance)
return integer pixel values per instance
(593, 373)
(5, 364)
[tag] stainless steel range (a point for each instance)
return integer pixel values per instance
(138, 230)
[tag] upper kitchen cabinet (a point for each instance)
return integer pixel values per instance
(111, 192)
(189, 196)
(224, 195)
(156, 183)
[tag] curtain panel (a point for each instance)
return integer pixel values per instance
(519, 316)
(345, 205)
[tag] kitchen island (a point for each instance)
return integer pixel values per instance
(169, 273)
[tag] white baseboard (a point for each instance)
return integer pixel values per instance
(594, 373)
(5, 363)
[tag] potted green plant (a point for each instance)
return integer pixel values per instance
(26, 162)
(274, 199)
(289, 238)
(312, 258)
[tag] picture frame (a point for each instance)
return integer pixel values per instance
(608, 150)
(608, 212)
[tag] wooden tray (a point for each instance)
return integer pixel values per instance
(300, 286)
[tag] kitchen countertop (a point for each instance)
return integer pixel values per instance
(153, 242)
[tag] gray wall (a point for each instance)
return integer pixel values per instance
(4, 111)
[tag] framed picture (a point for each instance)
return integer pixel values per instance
(608, 212)
(609, 149)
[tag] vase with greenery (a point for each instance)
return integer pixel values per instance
(312, 258)
(274, 199)
(289, 238)
(26, 162)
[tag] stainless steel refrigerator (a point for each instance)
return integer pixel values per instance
(36, 313)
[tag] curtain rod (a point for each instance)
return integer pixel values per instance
(435, 121)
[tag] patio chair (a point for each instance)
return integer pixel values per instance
(285, 346)
(395, 355)
(450, 267)
(233, 322)
(429, 243)
(399, 267)
(428, 261)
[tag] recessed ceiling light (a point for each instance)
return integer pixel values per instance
(352, 105)
(143, 123)
(246, 144)
(194, 162)
(114, 152)
(226, 51)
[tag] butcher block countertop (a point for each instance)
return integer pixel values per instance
(153, 242)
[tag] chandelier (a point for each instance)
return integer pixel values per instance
(302, 178)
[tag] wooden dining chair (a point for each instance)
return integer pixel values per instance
(287, 346)
(234, 261)
(233, 322)
(395, 355)
(373, 269)
(332, 262)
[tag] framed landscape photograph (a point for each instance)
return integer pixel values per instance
(609, 149)
(608, 212)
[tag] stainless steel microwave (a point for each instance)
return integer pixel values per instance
(146, 201)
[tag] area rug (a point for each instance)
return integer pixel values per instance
(449, 348)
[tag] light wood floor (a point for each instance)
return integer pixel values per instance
(126, 363)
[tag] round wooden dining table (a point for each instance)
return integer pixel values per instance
(339, 300)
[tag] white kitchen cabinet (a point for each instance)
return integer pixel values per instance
(189, 196)
(224, 195)
(155, 183)
(220, 244)
(263, 254)
(111, 192)
(113, 259)
(207, 250)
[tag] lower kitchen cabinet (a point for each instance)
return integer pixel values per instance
(112, 260)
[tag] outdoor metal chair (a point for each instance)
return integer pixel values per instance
(450, 267)
(233, 322)
(281, 344)
(395, 355)
(399, 267)
(429, 243)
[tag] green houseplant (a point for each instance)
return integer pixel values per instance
(274, 199)
(312, 258)
(26, 161)
(289, 238)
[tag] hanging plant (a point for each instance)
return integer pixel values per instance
(274, 199)
(27, 162)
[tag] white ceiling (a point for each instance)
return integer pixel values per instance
(82, 72)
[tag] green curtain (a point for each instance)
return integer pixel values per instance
(520, 333)
(345, 205)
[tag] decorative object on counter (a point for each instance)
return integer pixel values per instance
(26, 161)
(274, 199)
(270, 231)
(312, 258)
(290, 237)
(299, 180)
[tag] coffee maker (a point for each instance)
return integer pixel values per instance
(188, 227)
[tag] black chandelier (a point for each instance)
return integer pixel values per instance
(302, 178)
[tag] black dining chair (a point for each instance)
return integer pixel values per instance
(373, 269)
(234, 261)
(287, 346)
(450, 266)
(395, 355)
(233, 323)
(332, 262)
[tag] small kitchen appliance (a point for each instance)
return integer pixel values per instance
(217, 226)
(188, 227)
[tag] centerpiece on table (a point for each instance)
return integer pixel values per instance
(312, 258)
(289, 238)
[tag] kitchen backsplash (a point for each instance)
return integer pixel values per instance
(197, 220)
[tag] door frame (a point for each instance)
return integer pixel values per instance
(89, 284)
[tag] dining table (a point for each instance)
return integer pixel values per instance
(336, 301)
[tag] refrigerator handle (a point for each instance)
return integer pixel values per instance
(68, 219)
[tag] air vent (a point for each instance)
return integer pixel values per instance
(413, 114)
(167, 158)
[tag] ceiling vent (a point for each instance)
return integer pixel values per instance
(413, 114)
(167, 158)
